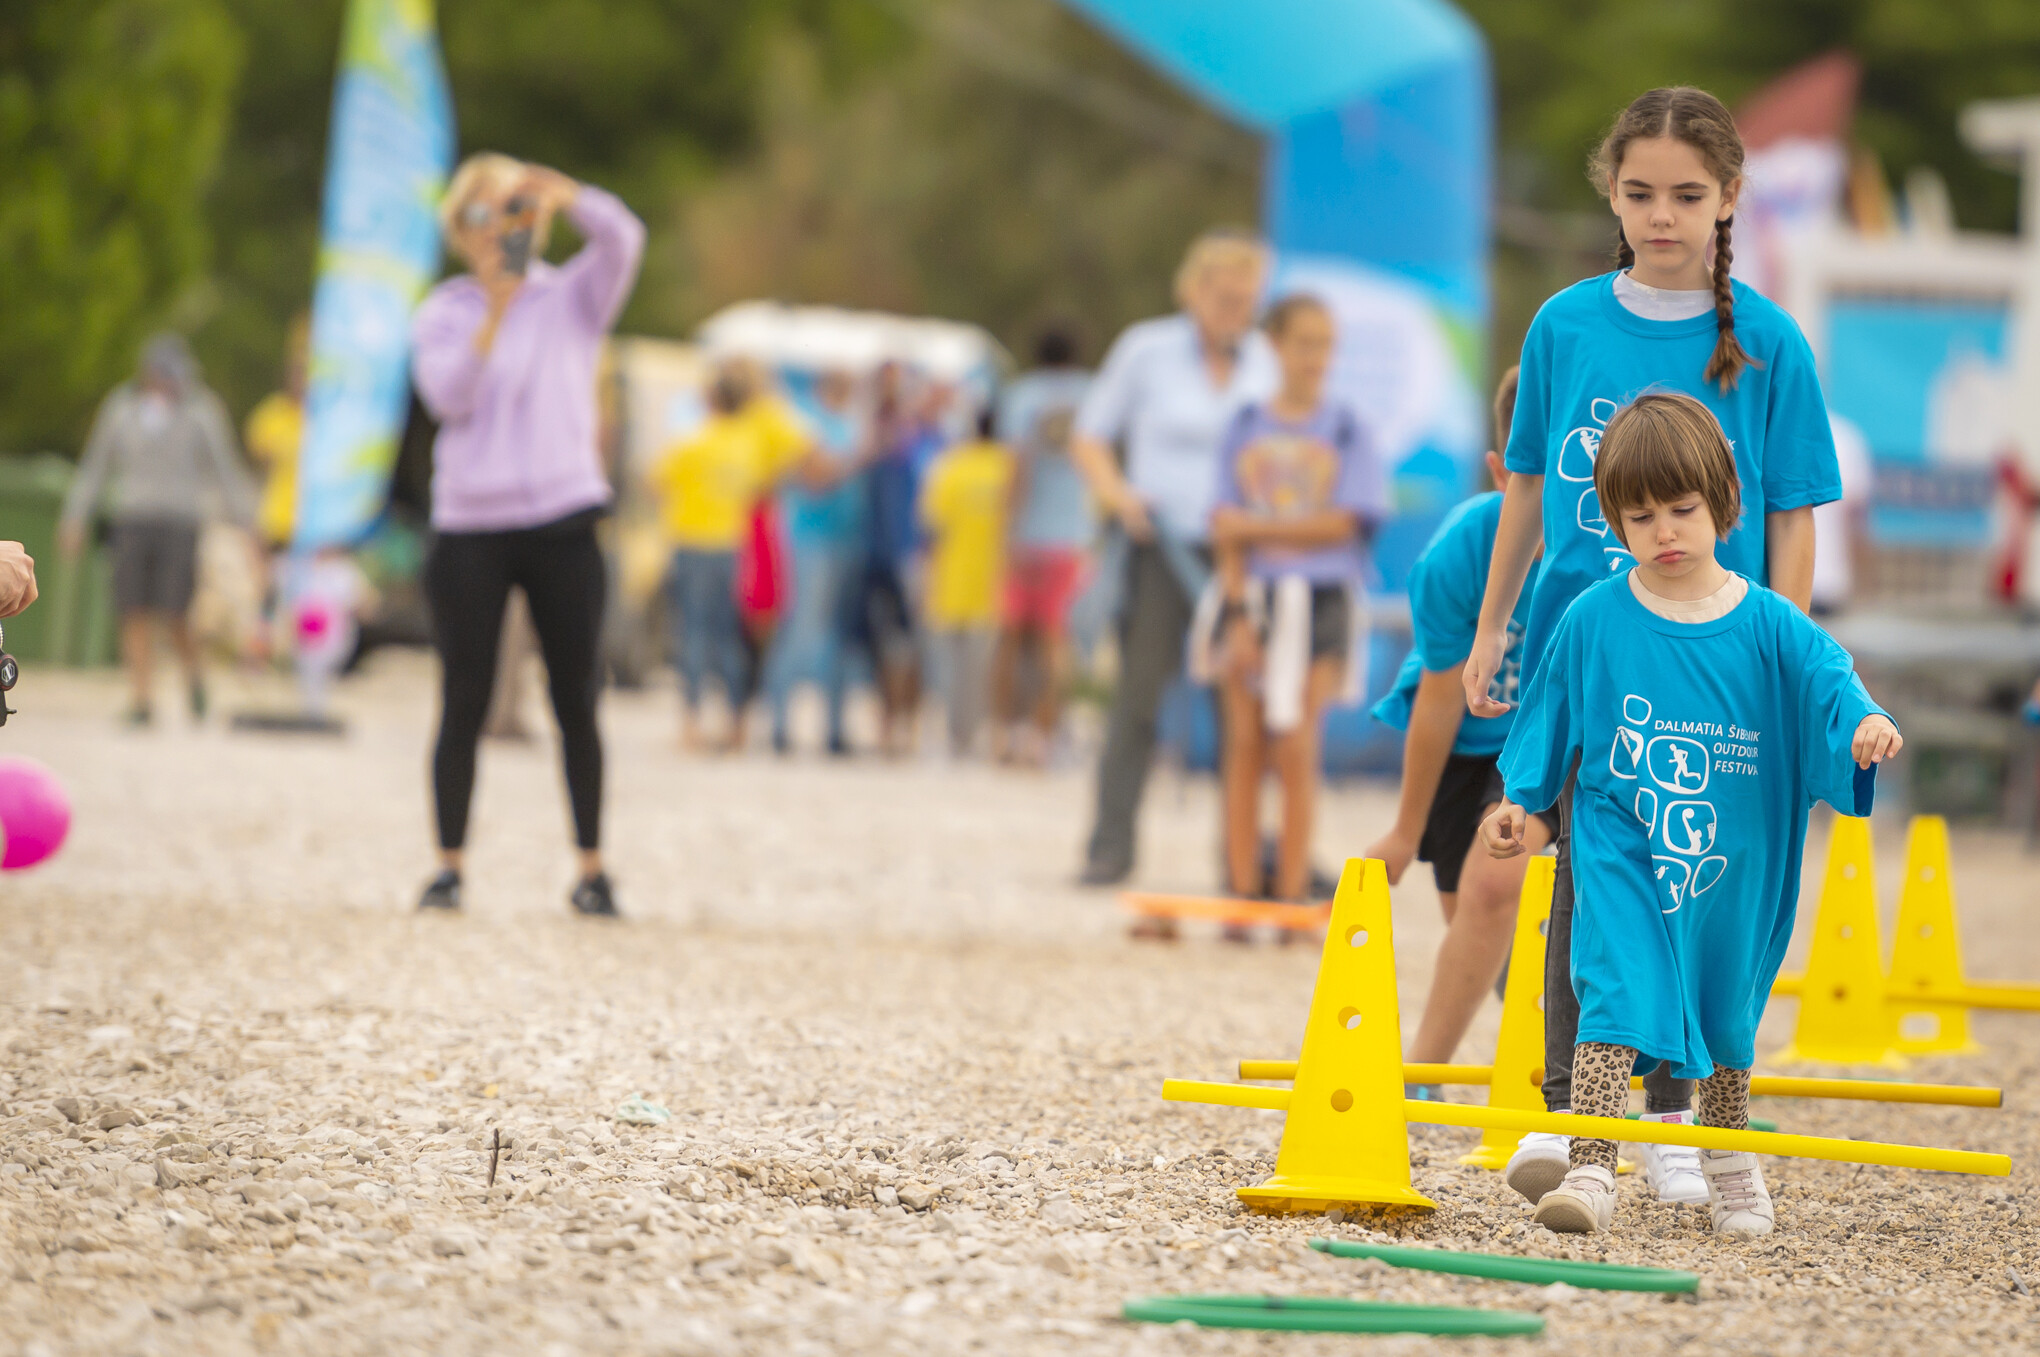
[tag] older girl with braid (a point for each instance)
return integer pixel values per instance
(1668, 318)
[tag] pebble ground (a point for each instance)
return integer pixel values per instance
(249, 1101)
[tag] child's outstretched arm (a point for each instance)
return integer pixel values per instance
(1877, 739)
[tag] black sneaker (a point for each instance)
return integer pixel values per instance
(595, 897)
(442, 893)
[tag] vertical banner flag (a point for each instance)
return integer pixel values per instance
(386, 164)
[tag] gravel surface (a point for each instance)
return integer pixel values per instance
(249, 1101)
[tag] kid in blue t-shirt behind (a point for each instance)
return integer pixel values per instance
(1706, 715)
(1449, 779)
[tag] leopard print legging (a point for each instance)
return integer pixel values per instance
(1601, 1089)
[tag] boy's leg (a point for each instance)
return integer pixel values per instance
(1600, 1088)
(1477, 938)
(1561, 1005)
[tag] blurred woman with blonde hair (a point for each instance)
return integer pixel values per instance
(504, 357)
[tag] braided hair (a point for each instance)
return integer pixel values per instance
(1697, 118)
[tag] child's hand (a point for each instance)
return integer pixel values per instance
(1502, 832)
(1395, 849)
(1483, 662)
(1229, 525)
(1876, 740)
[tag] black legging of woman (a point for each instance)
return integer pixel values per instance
(467, 581)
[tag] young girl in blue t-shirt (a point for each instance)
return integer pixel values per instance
(1704, 715)
(1669, 317)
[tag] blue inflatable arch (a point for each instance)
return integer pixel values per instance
(1377, 118)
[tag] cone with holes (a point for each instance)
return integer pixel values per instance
(1345, 1141)
(1519, 1049)
(1926, 956)
(1843, 1019)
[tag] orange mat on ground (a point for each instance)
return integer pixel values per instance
(1224, 910)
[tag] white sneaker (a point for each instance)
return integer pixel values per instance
(1736, 1196)
(1539, 1163)
(1673, 1170)
(1583, 1203)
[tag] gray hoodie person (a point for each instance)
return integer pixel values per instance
(157, 456)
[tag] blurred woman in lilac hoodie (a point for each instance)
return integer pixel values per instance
(504, 357)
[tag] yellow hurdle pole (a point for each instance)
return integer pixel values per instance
(2024, 998)
(1713, 1138)
(1412, 1074)
(1985, 994)
(1871, 1091)
(1761, 1085)
(1225, 1095)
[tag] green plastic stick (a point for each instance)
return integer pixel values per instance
(1756, 1123)
(1313, 1314)
(1511, 1268)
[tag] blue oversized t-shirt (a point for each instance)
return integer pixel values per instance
(1701, 747)
(1586, 356)
(1446, 586)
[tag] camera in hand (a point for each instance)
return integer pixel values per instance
(515, 242)
(10, 672)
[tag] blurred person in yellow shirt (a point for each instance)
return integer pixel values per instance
(708, 484)
(275, 435)
(964, 504)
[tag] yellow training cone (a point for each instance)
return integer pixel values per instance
(1519, 1050)
(1345, 1141)
(1843, 1019)
(1927, 953)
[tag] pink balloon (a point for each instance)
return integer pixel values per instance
(35, 815)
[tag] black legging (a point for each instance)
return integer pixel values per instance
(467, 582)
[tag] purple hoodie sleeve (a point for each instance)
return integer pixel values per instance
(603, 271)
(444, 364)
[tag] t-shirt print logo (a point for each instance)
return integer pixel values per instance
(1625, 757)
(1678, 764)
(1627, 753)
(1673, 874)
(1689, 827)
(1577, 453)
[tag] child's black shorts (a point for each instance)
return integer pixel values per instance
(1469, 785)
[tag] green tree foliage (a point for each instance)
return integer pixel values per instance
(1015, 168)
(1564, 70)
(645, 97)
(112, 114)
(993, 160)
